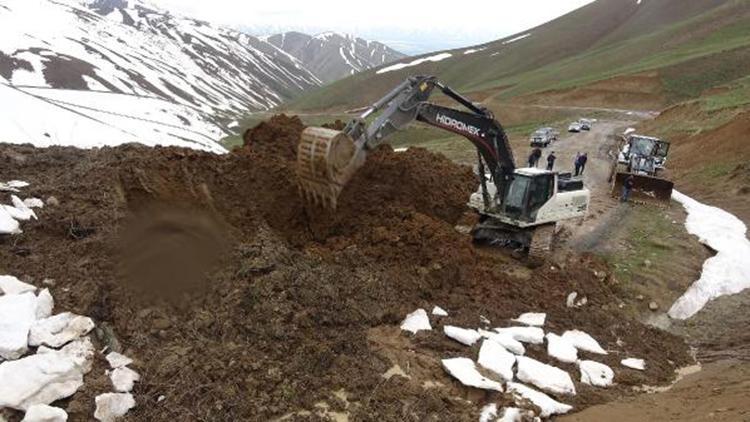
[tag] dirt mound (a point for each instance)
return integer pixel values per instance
(298, 318)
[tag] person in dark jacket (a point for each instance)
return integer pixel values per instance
(584, 159)
(537, 154)
(551, 161)
(627, 187)
(577, 164)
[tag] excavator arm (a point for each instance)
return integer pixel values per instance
(327, 159)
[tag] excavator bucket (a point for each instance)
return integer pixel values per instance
(647, 190)
(326, 160)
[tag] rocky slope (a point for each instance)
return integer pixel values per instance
(332, 56)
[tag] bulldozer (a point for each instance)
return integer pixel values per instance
(643, 158)
(518, 208)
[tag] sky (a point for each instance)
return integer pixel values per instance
(407, 25)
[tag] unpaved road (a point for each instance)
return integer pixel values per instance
(719, 392)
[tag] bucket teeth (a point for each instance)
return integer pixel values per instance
(325, 162)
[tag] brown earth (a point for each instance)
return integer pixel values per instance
(299, 317)
(643, 91)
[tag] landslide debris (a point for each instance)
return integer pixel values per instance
(298, 313)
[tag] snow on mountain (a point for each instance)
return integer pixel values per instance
(132, 49)
(332, 56)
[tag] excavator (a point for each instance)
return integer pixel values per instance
(518, 208)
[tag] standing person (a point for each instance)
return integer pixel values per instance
(577, 163)
(531, 159)
(584, 158)
(551, 161)
(537, 156)
(627, 187)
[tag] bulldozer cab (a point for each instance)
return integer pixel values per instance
(646, 146)
(529, 190)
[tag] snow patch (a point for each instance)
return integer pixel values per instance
(12, 286)
(634, 363)
(495, 358)
(462, 335)
(111, 406)
(45, 377)
(506, 340)
(532, 335)
(17, 315)
(117, 360)
(59, 330)
(515, 39)
(548, 405)
(583, 341)
(561, 349)
(45, 413)
(123, 379)
(464, 370)
(398, 66)
(546, 377)
(438, 311)
(726, 273)
(416, 321)
(595, 373)
(489, 413)
(531, 319)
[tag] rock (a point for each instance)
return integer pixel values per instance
(111, 406)
(640, 298)
(653, 306)
(59, 330)
(17, 315)
(161, 324)
(570, 302)
(647, 263)
(52, 201)
(123, 379)
(45, 377)
(49, 282)
(44, 413)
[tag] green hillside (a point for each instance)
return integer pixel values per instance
(692, 45)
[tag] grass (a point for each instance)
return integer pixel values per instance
(647, 240)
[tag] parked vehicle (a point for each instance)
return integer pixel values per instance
(575, 127)
(586, 124)
(543, 137)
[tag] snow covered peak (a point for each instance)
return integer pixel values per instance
(332, 55)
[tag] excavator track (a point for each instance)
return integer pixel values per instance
(541, 241)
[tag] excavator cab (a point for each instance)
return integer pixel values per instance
(527, 193)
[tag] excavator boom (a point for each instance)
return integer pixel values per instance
(327, 159)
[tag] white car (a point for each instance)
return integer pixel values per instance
(574, 127)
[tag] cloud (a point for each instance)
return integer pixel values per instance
(400, 21)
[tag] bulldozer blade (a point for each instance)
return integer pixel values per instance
(647, 190)
(326, 160)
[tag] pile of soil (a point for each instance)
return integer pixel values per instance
(296, 314)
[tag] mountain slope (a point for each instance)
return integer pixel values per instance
(133, 47)
(603, 40)
(331, 56)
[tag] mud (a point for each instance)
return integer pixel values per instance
(299, 308)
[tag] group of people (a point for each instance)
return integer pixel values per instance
(579, 163)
